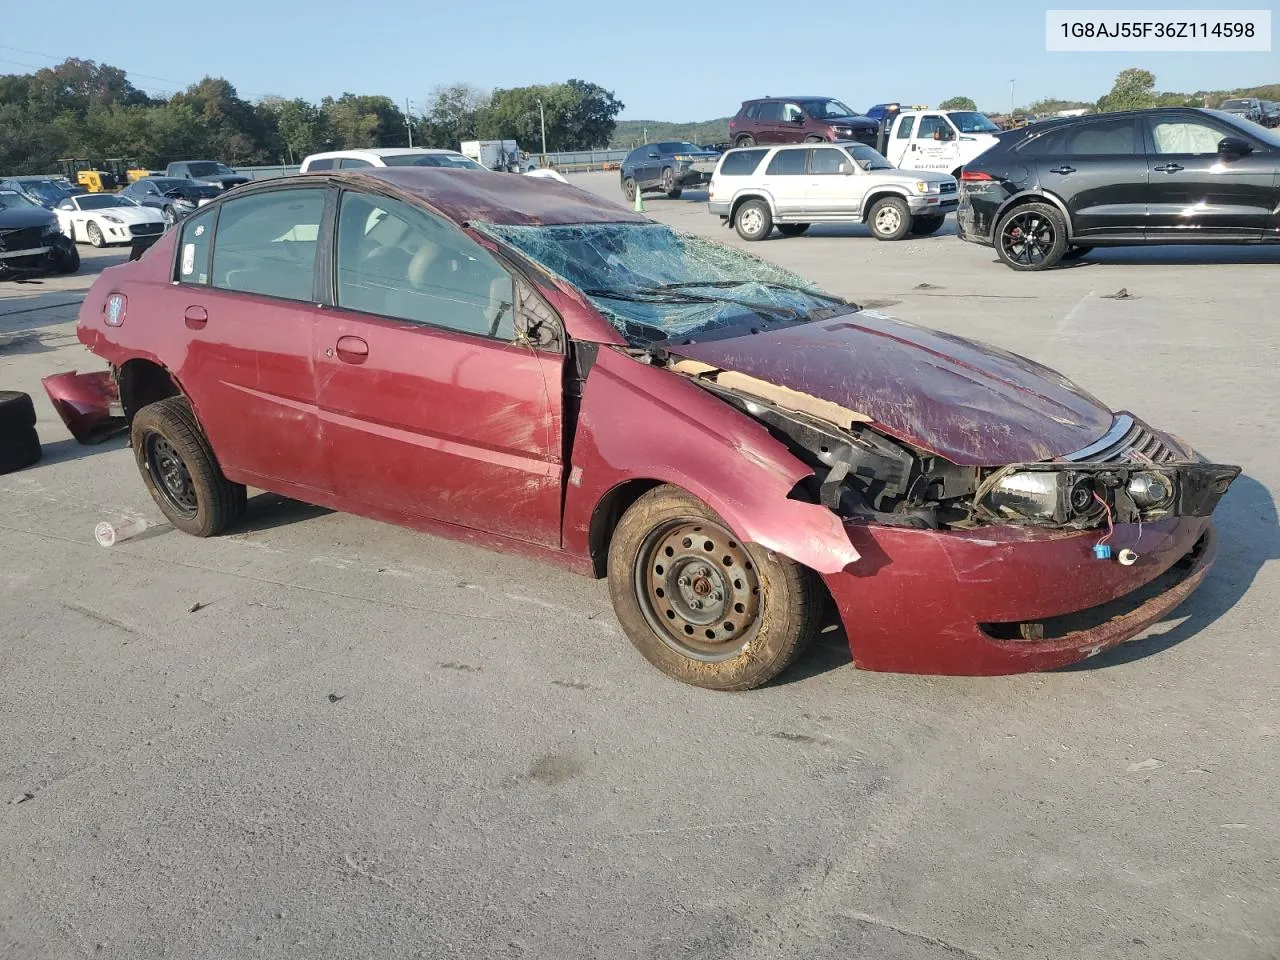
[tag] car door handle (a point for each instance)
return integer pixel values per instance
(1169, 167)
(352, 350)
(1064, 169)
(196, 317)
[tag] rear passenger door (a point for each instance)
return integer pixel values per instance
(769, 122)
(1098, 168)
(786, 180)
(246, 292)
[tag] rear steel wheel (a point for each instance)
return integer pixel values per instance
(1031, 237)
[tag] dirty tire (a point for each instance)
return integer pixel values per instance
(199, 500)
(70, 263)
(629, 189)
(95, 235)
(889, 218)
(746, 140)
(669, 183)
(16, 410)
(753, 221)
(781, 601)
(924, 226)
(792, 229)
(1075, 253)
(19, 447)
(1032, 236)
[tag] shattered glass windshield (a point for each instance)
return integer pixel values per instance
(654, 284)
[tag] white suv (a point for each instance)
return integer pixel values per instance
(756, 188)
(388, 157)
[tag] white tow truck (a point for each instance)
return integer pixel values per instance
(941, 141)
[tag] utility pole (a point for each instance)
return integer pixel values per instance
(1011, 83)
(542, 116)
(408, 119)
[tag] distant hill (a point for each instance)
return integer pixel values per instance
(631, 133)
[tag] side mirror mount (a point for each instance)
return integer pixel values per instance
(1234, 147)
(653, 155)
(848, 169)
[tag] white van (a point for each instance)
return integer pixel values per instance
(942, 141)
(387, 157)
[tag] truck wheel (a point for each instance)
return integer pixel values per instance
(180, 471)
(669, 183)
(701, 606)
(629, 189)
(1031, 237)
(95, 235)
(753, 220)
(889, 218)
(923, 226)
(746, 140)
(792, 229)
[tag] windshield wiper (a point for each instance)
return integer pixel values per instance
(722, 284)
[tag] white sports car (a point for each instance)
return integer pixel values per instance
(105, 218)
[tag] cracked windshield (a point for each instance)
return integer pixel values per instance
(654, 283)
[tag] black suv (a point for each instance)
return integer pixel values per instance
(1055, 190)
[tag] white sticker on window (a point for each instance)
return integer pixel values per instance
(188, 258)
(200, 230)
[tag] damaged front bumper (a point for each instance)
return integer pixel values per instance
(88, 403)
(1005, 599)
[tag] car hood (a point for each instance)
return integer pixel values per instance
(911, 176)
(861, 122)
(127, 214)
(968, 402)
(24, 218)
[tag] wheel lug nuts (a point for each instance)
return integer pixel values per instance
(696, 604)
(717, 596)
(683, 581)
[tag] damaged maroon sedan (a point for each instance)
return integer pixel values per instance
(520, 364)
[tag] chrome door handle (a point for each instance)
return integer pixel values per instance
(1064, 169)
(1169, 167)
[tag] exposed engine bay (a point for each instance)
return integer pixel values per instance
(860, 473)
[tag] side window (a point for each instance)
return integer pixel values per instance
(395, 260)
(824, 160)
(931, 126)
(752, 111)
(323, 164)
(905, 126)
(266, 244)
(352, 163)
(1172, 135)
(770, 112)
(741, 163)
(1105, 138)
(787, 163)
(193, 247)
(792, 112)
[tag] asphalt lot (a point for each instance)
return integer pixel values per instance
(372, 743)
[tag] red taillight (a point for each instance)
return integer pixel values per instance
(973, 175)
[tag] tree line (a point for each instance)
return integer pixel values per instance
(86, 110)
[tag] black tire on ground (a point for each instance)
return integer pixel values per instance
(746, 140)
(792, 229)
(753, 221)
(1032, 236)
(19, 448)
(16, 409)
(669, 183)
(70, 263)
(629, 189)
(95, 235)
(181, 472)
(1075, 253)
(889, 218)
(660, 568)
(923, 226)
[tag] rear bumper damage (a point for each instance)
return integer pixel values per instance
(959, 602)
(88, 403)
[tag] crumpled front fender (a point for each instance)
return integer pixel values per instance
(88, 403)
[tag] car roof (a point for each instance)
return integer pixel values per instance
(380, 152)
(29, 178)
(809, 96)
(482, 195)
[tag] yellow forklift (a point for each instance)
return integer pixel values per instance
(105, 177)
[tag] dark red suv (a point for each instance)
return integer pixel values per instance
(798, 119)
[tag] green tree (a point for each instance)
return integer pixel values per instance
(453, 114)
(957, 103)
(579, 116)
(301, 127)
(364, 121)
(1134, 89)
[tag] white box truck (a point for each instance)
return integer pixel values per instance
(500, 155)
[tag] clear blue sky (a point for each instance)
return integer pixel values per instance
(660, 67)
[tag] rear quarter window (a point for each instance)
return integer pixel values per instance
(325, 164)
(741, 163)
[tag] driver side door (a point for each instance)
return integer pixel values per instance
(430, 405)
(935, 146)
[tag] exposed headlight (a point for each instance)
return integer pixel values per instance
(1043, 495)
(112, 219)
(1150, 489)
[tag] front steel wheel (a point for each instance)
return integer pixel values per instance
(699, 604)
